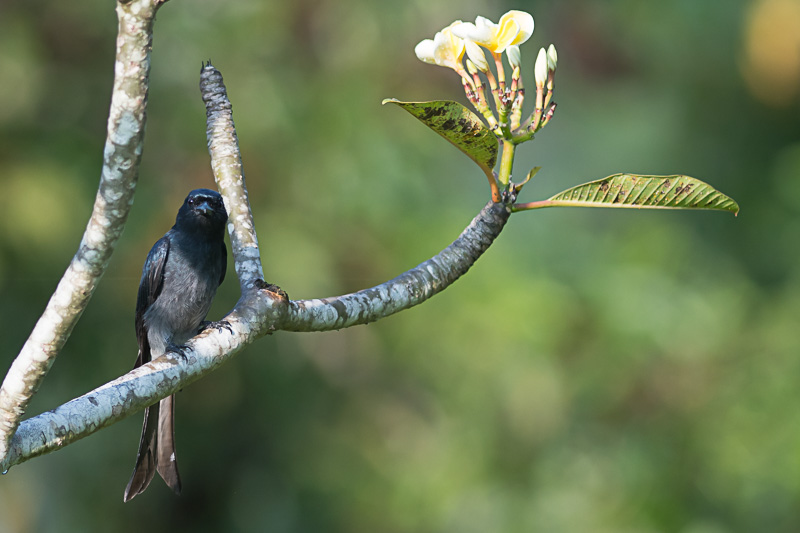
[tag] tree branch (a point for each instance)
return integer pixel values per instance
(406, 290)
(261, 309)
(121, 156)
(226, 162)
(127, 394)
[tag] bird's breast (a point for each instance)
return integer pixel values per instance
(186, 295)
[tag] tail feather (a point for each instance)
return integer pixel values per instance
(166, 462)
(156, 450)
(145, 467)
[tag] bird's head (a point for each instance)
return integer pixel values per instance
(202, 210)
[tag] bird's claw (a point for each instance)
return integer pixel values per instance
(219, 326)
(179, 349)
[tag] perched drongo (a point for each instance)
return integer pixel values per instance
(179, 279)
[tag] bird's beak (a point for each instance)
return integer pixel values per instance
(204, 208)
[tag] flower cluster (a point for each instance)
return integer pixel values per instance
(449, 46)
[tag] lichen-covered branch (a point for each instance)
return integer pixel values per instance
(226, 161)
(123, 150)
(258, 312)
(126, 395)
(406, 290)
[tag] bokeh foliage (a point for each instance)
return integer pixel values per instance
(598, 370)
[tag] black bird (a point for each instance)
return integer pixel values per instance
(179, 280)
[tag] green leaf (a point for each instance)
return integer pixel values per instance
(648, 192)
(458, 125)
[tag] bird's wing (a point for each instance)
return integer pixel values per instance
(149, 288)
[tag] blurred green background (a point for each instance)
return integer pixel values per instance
(597, 370)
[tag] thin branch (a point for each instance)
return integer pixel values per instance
(121, 156)
(406, 290)
(226, 161)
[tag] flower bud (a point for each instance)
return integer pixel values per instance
(476, 55)
(471, 68)
(540, 68)
(552, 58)
(513, 56)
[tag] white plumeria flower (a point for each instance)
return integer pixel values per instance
(514, 28)
(445, 49)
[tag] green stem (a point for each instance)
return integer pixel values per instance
(506, 162)
(525, 137)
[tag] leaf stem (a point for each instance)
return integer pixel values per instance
(533, 205)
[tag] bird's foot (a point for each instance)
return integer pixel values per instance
(179, 349)
(220, 325)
